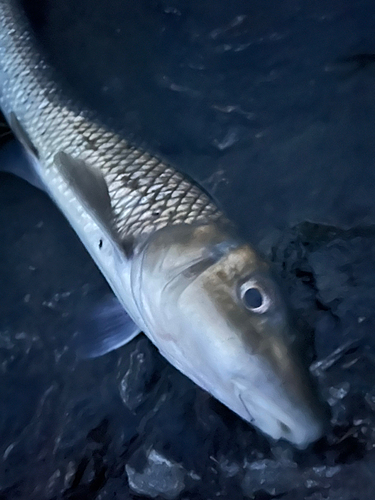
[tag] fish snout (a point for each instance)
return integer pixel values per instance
(281, 419)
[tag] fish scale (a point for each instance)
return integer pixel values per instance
(131, 174)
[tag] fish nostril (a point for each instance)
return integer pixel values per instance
(285, 428)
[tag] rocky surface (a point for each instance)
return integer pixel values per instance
(129, 423)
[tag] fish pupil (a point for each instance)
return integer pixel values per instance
(253, 298)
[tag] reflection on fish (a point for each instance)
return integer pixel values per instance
(205, 298)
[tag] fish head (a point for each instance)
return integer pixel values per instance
(212, 306)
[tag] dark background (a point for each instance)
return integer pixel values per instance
(270, 106)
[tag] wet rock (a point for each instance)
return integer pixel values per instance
(229, 468)
(339, 392)
(344, 273)
(271, 476)
(133, 385)
(160, 476)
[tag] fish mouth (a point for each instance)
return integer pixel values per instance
(299, 426)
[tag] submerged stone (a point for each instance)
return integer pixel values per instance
(160, 476)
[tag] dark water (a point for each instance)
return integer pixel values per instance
(261, 103)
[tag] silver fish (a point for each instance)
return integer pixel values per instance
(204, 297)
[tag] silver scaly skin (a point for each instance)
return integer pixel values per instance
(136, 181)
(205, 298)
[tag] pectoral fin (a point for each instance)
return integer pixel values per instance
(91, 188)
(104, 328)
(89, 185)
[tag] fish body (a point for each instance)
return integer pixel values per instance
(204, 297)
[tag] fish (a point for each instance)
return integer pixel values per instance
(180, 273)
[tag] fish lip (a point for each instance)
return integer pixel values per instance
(280, 421)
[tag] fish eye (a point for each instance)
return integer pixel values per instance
(254, 298)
